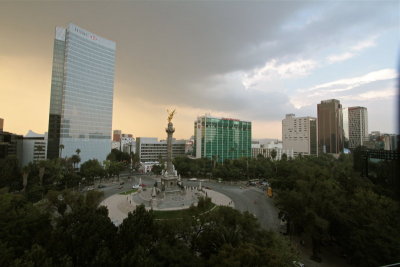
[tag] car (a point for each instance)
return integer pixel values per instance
(101, 186)
(193, 179)
(121, 183)
(135, 186)
(120, 187)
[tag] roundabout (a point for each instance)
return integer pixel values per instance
(120, 205)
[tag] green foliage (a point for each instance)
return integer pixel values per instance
(10, 175)
(119, 156)
(83, 235)
(91, 169)
(326, 199)
(157, 169)
(238, 169)
(113, 167)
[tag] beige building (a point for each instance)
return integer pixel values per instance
(299, 134)
(330, 127)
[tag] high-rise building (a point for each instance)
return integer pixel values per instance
(1, 124)
(330, 127)
(345, 114)
(357, 126)
(299, 134)
(82, 89)
(221, 138)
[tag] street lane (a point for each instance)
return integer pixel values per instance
(251, 199)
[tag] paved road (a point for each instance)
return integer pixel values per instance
(249, 199)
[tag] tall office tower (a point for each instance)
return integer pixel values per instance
(221, 138)
(82, 89)
(299, 134)
(330, 127)
(358, 126)
(345, 114)
(1, 124)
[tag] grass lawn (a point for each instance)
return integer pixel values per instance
(128, 192)
(179, 214)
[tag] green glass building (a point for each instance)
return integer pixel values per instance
(221, 138)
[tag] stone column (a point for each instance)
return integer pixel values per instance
(170, 130)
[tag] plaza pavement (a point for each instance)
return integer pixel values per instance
(120, 205)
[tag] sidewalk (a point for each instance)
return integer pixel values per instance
(218, 198)
(120, 205)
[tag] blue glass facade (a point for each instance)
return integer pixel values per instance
(82, 94)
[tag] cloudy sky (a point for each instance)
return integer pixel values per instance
(254, 61)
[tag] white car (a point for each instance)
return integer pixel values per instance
(135, 186)
(193, 179)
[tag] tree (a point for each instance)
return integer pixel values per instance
(61, 146)
(85, 235)
(92, 169)
(157, 169)
(116, 155)
(75, 160)
(273, 154)
(10, 175)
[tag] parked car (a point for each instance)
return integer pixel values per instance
(193, 179)
(135, 186)
(101, 186)
(121, 183)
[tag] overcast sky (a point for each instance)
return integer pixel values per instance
(254, 61)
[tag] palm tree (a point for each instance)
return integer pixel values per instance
(61, 148)
(78, 151)
(273, 154)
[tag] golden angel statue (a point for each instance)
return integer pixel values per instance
(170, 114)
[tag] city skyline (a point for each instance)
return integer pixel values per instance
(279, 58)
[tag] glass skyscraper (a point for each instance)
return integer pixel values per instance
(82, 88)
(221, 138)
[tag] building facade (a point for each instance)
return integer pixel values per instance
(330, 127)
(357, 126)
(82, 87)
(11, 145)
(123, 142)
(299, 135)
(221, 138)
(149, 149)
(34, 147)
(266, 150)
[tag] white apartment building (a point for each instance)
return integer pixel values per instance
(357, 126)
(266, 150)
(150, 149)
(34, 148)
(299, 134)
